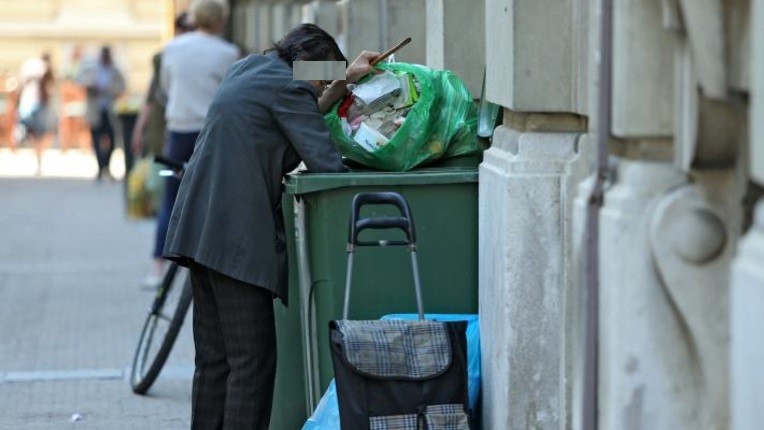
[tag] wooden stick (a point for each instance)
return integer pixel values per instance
(390, 51)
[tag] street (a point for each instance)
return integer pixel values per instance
(71, 306)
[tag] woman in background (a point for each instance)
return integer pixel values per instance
(34, 97)
(103, 83)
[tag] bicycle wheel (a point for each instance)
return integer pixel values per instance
(160, 330)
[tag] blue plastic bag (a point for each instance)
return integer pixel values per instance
(327, 413)
(326, 416)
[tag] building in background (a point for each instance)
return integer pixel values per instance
(72, 31)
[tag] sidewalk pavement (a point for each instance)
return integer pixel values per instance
(57, 163)
(70, 303)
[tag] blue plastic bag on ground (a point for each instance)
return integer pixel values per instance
(327, 413)
(326, 416)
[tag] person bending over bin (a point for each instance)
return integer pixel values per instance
(227, 224)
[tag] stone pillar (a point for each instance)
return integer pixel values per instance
(671, 219)
(536, 70)
(327, 16)
(362, 25)
(294, 16)
(405, 18)
(757, 95)
(664, 299)
(637, 322)
(635, 317)
(245, 19)
(747, 295)
(456, 39)
(263, 27)
(526, 270)
(538, 57)
(279, 20)
(375, 25)
(747, 318)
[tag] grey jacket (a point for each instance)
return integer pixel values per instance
(88, 77)
(227, 216)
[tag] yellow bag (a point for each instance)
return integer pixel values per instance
(140, 200)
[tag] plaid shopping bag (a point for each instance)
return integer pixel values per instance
(397, 374)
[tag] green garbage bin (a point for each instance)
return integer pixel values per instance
(444, 205)
(290, 408)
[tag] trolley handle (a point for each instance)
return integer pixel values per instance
(177, 166)
(404, 223)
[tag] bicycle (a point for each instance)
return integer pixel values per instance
(169, 307)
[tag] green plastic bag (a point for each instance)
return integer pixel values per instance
(442, 123)
(144, 189)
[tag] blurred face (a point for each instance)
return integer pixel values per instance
(106, 57)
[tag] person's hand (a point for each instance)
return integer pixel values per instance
(361, 66)
(136, 143)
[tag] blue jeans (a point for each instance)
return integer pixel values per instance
(179, 147)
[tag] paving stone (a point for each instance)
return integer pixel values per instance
(71, 309)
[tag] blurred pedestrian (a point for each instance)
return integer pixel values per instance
(72, 67)
(150, 127)
(73, 128)
(35, 86)
(103, 83)
(193, 65)
(227, 225)
(148, 134)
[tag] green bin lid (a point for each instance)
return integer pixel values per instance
(305, 182)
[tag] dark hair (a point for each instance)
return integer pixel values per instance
(307, 42)
(182, 22)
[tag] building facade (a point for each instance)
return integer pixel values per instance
(630, 158)
(133, 28)
(71, 32)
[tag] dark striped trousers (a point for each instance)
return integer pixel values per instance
(235, 339)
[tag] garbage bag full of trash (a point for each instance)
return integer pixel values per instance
(404, 117)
